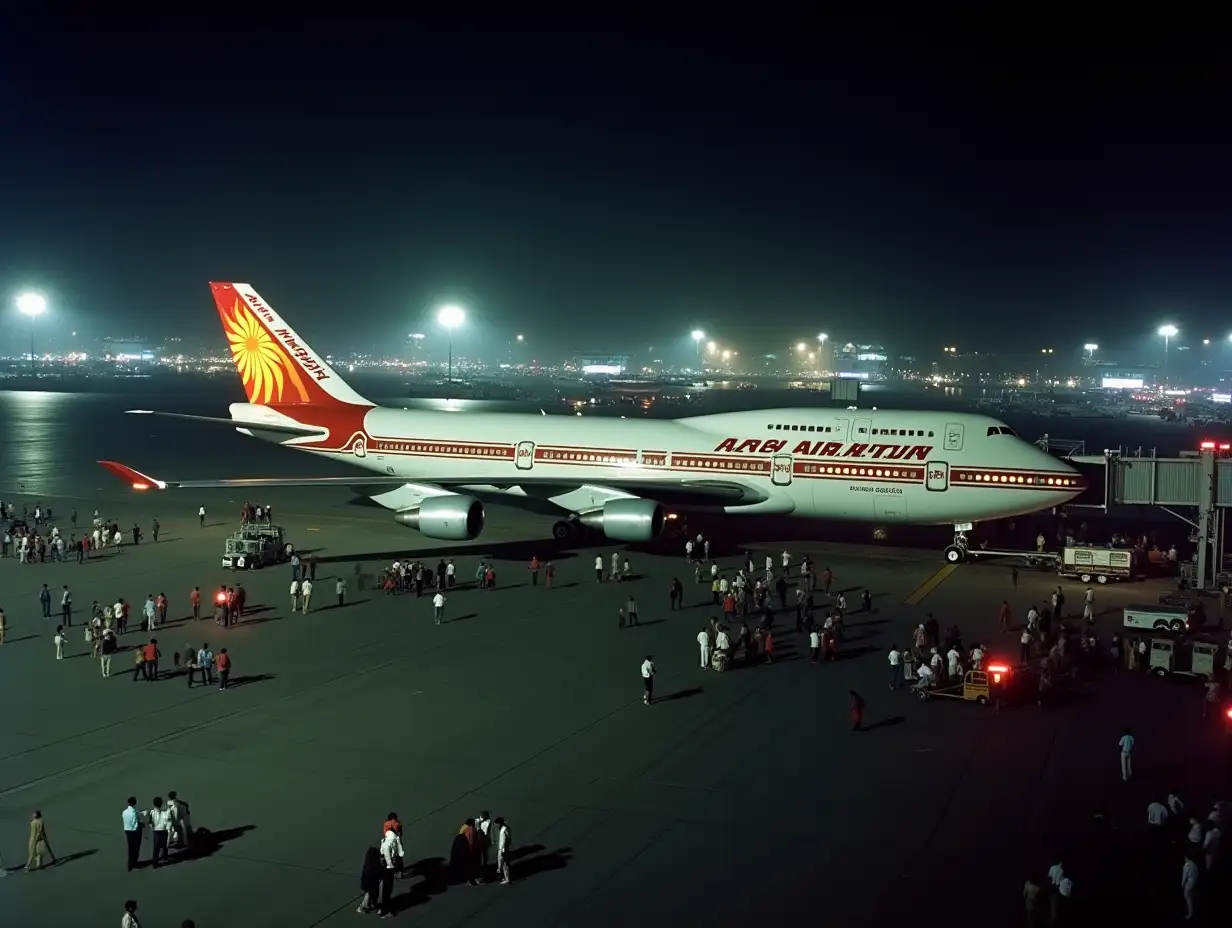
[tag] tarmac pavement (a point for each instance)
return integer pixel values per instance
(737, 797)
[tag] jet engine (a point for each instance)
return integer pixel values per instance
(451, 517)
(626, 519)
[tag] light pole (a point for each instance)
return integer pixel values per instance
(1168, 332)
(698, 335)
(450, 317)
(1090, 348)
(32, 305)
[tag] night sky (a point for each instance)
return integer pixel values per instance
(987, 183)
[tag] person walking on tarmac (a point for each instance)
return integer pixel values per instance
(648, 673)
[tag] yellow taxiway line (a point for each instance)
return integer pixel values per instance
(922, 591)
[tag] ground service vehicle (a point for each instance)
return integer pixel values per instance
(1196, 658)
(1098, 564)
(1158, 618)
(256, 545)
(980, 686)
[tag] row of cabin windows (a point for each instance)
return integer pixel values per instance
(1001, 430)
(917, 433)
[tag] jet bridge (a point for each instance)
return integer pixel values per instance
(1201, 479)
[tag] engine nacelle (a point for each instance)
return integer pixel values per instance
(451, 517)
(626, 520)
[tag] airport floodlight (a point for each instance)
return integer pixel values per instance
(727, 355)
(32, 304)
(451, 316)
(822, 337)
(800, 346)
(712, 347)
(521, 338)
(698, 335)
(1168, 331)
(1206, 341)
(1090, 347)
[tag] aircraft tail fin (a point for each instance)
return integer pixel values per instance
(276, 365)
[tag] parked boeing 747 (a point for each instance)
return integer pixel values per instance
(434, 469)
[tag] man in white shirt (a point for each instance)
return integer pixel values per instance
(160, 827)
(483, 825)
(648, 672)
(294, 595)
(503, 847)
(205, 663)
(926, 675)
(181, 820)
(598, 568)
(703, 642)
(814, 645)
(1127, 749)
(131, 820)
(786, 561)
(148, 610)
(305, 589)
(391, 854)
(977, 658)
(896, 667)
(438, 606)
(201, 516)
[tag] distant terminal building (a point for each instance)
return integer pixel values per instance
(865, 362)
(603, 364)
(128, 348)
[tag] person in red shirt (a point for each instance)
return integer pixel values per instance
(768, 645)
(534, 571)
(160, 605)
(150, 667)
(195, 598)
(223, 663)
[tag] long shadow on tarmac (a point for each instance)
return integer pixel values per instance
(207, 843)
(545, 549)
(434, 875)
(681, 694)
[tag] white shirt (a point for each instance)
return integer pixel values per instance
(924, 672)
(1175, 806)
(1157, 814)
(786, 560)
(1090, 597)
(1056, 873)
(129, 921)
(1066, 887)
(118, 609)
(438, 600)
(599, 563)
(1026, 637)
(160, 819)
(895, 656)
(703, 638)
(721, 641)
(502, 840)
(449, 569)
(977, 656)
(769, 562)
(814, 639)
(132, 821)
(1211, 842)
(1126, 743)
(647, 670)
(391, 849)
(306, 588)
(65, 598)
(148, 608)
(201, 511)
(294, 587)
(1195, 833)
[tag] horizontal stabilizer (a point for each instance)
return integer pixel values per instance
(279, 429)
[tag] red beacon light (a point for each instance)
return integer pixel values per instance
(997, 671)
(1228, 713)
(1207, 446)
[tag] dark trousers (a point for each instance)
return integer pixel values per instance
(632, 616)
(151, 669)
(648, 682)
(222, 678)
(196, 612)
(534, 578)
(66, 613)
(47, 609)
(387, 889)
(342, 596)
(133, 840)
(159, 851)
(139, 671)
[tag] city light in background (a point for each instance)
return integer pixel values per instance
(1169, 332)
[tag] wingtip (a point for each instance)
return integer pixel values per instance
(134, 478)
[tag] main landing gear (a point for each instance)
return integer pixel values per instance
(569, 529)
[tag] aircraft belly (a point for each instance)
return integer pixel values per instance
(837, 499)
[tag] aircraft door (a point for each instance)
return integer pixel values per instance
(524, 456)
(863, 429)
(953, 436)
(840, 429)
(780, 470)
(938, 478)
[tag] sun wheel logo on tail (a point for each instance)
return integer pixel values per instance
(449, 517)
(262, 363)
(359, 447)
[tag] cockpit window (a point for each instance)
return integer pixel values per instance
(1001, 430)
(1006, 430)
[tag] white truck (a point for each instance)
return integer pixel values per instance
(1099, 564)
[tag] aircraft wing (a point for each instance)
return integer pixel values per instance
(276, 429)
(651, 485)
